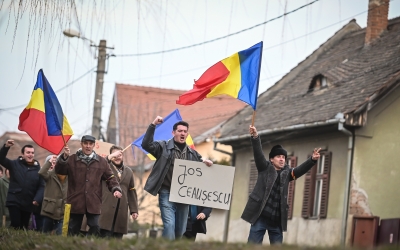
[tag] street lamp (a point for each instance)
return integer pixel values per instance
(101, 66)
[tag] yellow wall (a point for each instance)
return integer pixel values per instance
(376, 169)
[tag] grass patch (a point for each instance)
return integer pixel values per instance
(18, 239)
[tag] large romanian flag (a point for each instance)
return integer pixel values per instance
(236, 76)
(43, 119)
(164, 132)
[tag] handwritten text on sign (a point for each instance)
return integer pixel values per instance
(195, 183)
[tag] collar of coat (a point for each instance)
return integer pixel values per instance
(95, 156)
(35, 162)
(171, 145)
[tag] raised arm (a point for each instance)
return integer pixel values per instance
(4, 161)
(259, 158)
(148, 142)
(61, 166)
(305, 166)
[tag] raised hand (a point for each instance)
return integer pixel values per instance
(9, 143)
(316, 155)
(66, 152)
(158, 120)
(253, 131)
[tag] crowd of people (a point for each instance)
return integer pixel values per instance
(102, 190)
(99, 192)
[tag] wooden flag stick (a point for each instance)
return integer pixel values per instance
(253, 118)
(62, 135)
(126, 148)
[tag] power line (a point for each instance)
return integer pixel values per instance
(66, 86)
(219, 38)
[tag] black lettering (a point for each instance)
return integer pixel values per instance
(208, 196)
(215, 193)
(219, 198)
(226, 201)
(188, 191)
(199, 173)
(194, 193)
(204, 196)
(180, 181)
(191, 172)
(179, 191)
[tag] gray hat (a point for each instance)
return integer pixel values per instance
(88, 138)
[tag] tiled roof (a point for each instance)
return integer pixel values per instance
(356, 74)
(135, 107)
(22, 139)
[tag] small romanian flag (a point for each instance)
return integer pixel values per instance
(236, 76)
(164, 132)
(43, 119)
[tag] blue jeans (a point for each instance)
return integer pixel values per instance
(257, 232)
(49, 225)
(174, 216)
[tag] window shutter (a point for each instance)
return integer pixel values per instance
(290, 201)
(253, 176)
(308, 195)
(325, 185)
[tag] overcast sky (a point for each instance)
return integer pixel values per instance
(213, 30)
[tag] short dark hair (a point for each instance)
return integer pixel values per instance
(26, 146)
(183, 123)
(113, 147)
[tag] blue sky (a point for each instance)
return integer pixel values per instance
(137, 27)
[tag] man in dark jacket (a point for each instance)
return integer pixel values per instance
(26, 187)
(197, 221)
(174, 215)
(266, 208)
(85, 171)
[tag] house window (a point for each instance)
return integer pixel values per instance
(316, 188)
(253, 176)
(319, 81)
(292, 162)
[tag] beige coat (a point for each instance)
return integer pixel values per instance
(129, 199)
(55, 193)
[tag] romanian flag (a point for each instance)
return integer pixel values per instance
(236, 76)
(164, 132)
(43, 119)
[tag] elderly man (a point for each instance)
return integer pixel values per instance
(26, 187)
(86, 170)
(110, 207)
(174, 215)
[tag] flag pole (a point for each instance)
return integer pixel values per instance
(62, 136)
(253, 118)
(126, 148)
(258, 81)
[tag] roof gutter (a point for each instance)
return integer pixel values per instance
(349, 167)
(282, 129)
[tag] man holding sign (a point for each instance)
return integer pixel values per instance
(174, 215)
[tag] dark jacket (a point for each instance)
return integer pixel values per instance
(199, 226)
(85, 182)
(128, 200)
(55, 193)
(25, 185)
(265, 181)
(164, 153)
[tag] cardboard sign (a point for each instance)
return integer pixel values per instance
(102, 148)
(196, 184)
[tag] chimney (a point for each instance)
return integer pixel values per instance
(377, 19)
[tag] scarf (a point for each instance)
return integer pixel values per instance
(83, 157)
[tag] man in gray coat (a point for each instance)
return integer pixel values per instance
(173, 214)
(266, 207)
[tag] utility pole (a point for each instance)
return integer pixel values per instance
(98, 94)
